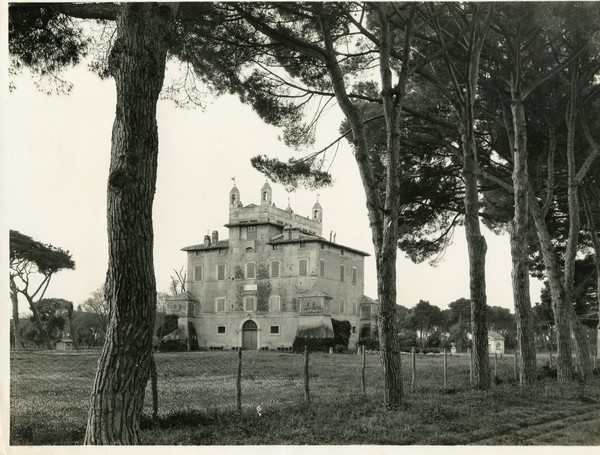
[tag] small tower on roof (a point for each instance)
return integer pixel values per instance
(234, 198)
(266, 194)
(317, 212)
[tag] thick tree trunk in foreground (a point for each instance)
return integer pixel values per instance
(519, 246)
(137, 63)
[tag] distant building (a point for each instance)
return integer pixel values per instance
(274, 279)
(495, 342)
(64, 344)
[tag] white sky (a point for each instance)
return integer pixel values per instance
(56, 153)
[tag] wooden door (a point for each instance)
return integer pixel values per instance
(249, 336)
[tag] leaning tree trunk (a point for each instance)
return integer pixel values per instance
(38, 323)
(137, 63)
(519, 246)
(15, 317)
(557, 294)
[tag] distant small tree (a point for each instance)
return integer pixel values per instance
(98, 306)
(30, 259)
(178, 281)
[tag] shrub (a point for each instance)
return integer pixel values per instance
(172, 346)
(341, 332)
(313, 344)
(370, 344)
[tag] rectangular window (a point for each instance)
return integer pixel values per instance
(365, 311)
(274, 247)
(322, 246)
(341, 252)
(251, 270)
(198, 273)
(303, 267)
(274, 330)
(221, 272)
(302, 245)
(251, 232)
(275, 303)
(322, 267)
(221, 330)
(342, 272)
(354, 307)
(353, 329)
(342, 306)
(249, 303)
(354, 275)
(274, 269)
(220, 304)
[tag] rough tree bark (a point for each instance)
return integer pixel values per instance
(557, 294)
(137, 63)
(519, 228)
(14, 298)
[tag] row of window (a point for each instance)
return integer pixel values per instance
(274, 271)
(273, 330)
(275, 305)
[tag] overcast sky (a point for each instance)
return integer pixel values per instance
(55, 162)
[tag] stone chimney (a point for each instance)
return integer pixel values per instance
(207, 240)
(215, 237)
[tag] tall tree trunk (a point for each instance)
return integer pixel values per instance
(137, 63)
(582, 345)
(14, 298)
(477, 248)
(596, 244)
(557, 293)
(519, 245)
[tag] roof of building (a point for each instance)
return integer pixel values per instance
(220, 245)
(365, 299)
(182, 297)
(315, 292)
(495, 335)
(305, 237)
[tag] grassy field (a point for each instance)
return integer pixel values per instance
(50, 395)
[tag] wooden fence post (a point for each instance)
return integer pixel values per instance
(495, 364)
(306, 380)
(470, 355)
(414, 368)
(364, 363)
(445, 370)
(238, 383)
(154, 385)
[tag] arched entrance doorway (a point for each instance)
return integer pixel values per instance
(249, 336)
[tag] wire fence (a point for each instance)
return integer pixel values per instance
(54, 387)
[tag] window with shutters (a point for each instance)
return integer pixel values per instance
(322, 267)
(303, 267)
(342, 272)
(342, 306)
(198, 273)
(249, 303)
(251, 270)
(220, 304)
(221, 272)
(274, 269)
(275, 303)
(354, 275)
